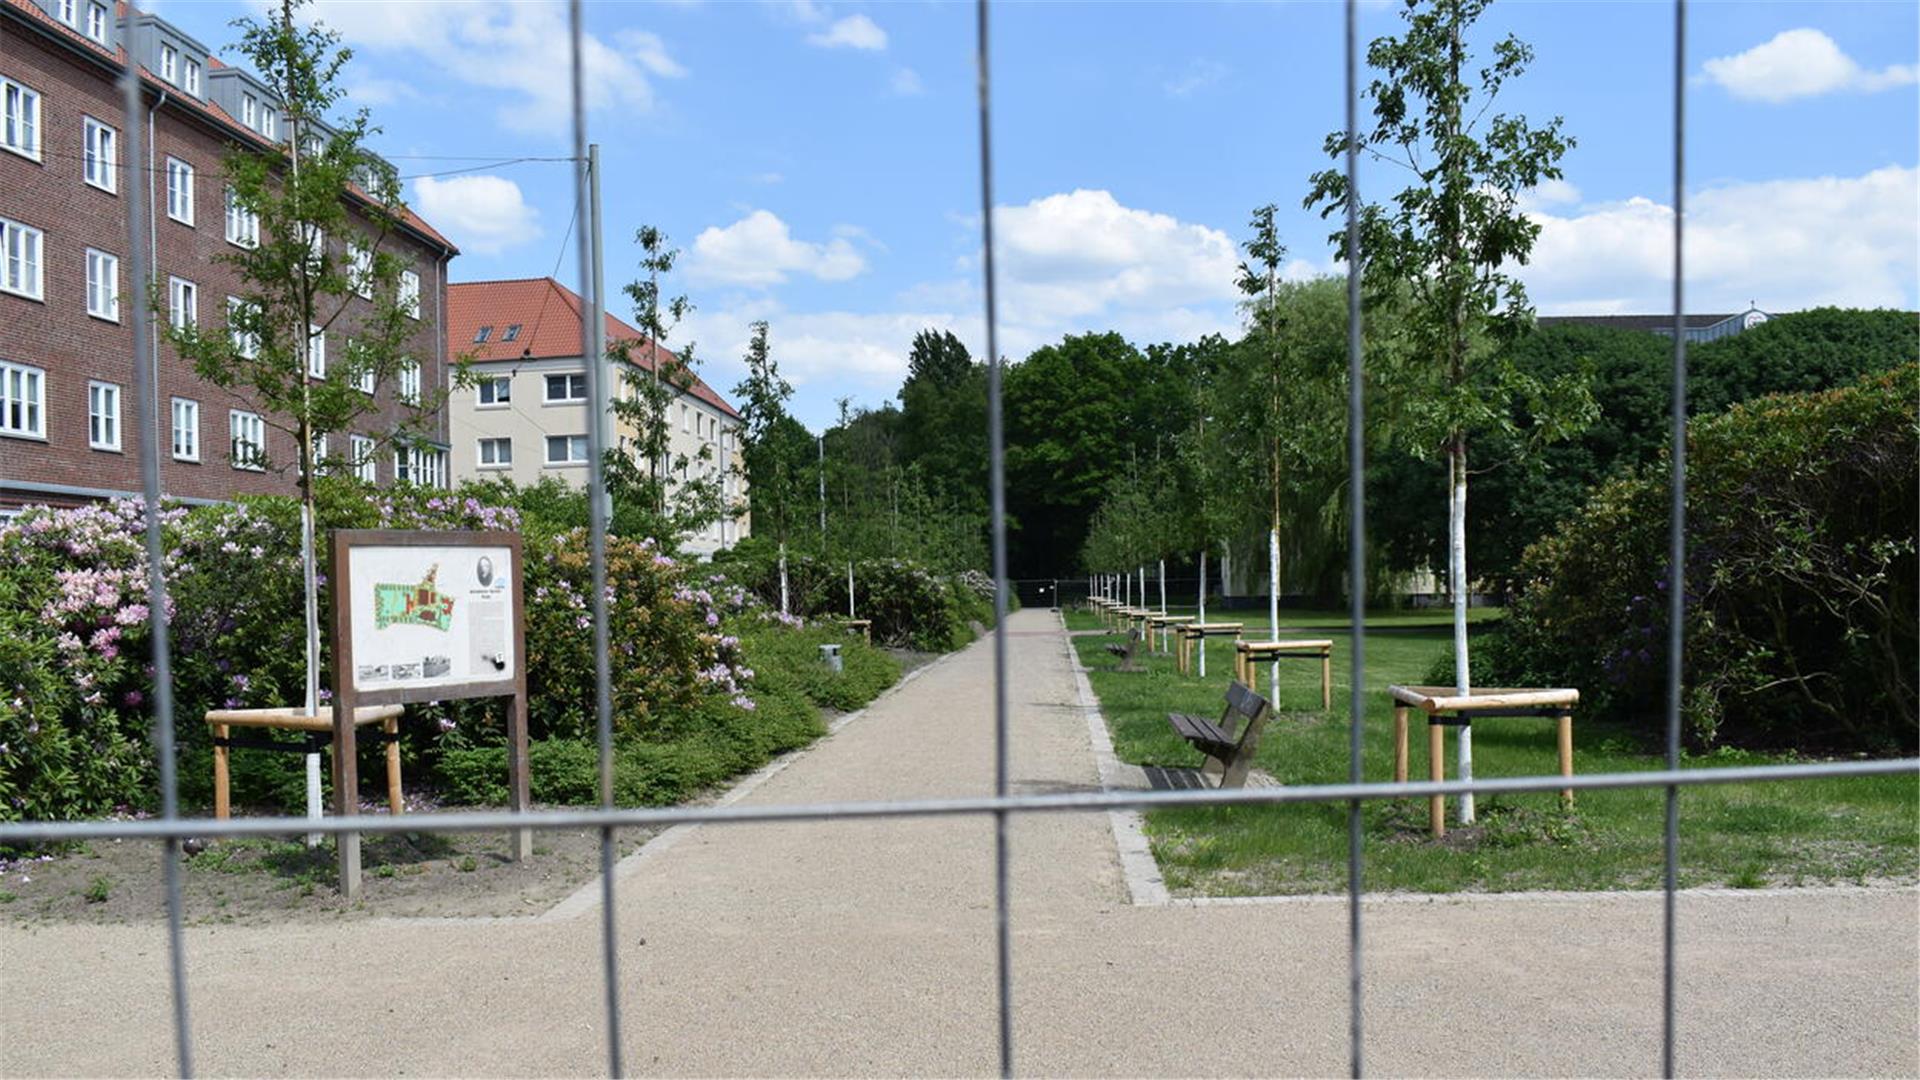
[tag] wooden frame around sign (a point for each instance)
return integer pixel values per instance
(346, 768)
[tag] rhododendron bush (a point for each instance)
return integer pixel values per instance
(76, 685)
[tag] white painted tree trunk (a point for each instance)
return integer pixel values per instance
(1163, 586)
(784, 608)
(1457, 572)
(1273, 603)
(311, 578)
(849, 590)
(1201, 643)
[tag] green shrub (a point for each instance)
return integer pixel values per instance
(784, 659)
(909, 605)
(1801, 583)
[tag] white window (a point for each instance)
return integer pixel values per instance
(410, 383)
(402, 465)
(103, 416)
(364, 380)
(179, 191)
(170, 64)
(430, 468)
(186, 429)
(496, 391)
(100, 155)
(246, 343)
(316, 352)
(269, 125)
(97, 22)
(22, 400)
(316, 246)
(249, 110)
(410, 293)
(70, 12)
(193, 77)
(684, 426)
(20, 259)
(320, 452)
(243, 225)
(496, 453)
(103, 285)
(364, 465)
(566, 449)
(567, 387)
(360, 268)
(247, 435)
(19, 118)
(183, 303)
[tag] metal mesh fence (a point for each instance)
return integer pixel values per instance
(170, 828)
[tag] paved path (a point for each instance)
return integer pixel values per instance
(867, 948)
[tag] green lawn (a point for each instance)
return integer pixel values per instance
(1749, 835)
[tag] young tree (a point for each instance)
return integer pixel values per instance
(774, 457)
(683, 493)
(1443, 247)
(327, 211)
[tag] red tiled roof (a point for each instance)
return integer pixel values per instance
(548, 314)
(118, 55)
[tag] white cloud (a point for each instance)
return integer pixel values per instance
(1785, 244)
(485, 215)
(767, 178)
(852, 32)
(1199, 75)
(1550, 193)
(759, 250)
(1800, 63)
(1082, 257)
(868, 350)
(520, 49)
(906, 83)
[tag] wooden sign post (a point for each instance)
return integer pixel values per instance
(425, 616)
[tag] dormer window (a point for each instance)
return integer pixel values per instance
(269, 123)
(97, 22)
(170, 64)
(249, 110)
(484, 333)
(193, 77)
(70, 12)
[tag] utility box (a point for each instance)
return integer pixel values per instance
(830, 656)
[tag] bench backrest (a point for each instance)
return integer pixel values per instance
(1244, 707)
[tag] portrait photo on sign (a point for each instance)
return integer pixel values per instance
(426, 616)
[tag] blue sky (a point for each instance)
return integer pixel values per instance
(816, 161)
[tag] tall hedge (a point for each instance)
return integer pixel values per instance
(1801, 582)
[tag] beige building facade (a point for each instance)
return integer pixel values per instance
(527, 415)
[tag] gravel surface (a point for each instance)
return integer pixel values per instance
(867, 948)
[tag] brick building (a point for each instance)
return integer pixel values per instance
(68, 432)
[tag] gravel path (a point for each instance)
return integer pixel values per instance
(867, 948)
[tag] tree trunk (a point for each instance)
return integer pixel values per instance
(1457, 572)
(311, 582)
(784, 609)
(1201, 643)
(1273, 596)
(1163, 586)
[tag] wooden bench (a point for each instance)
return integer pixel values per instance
(318, 736)
(1229, 756)
(1196, 633)
(1127, 653)
(1249, 655)
(1446, 708)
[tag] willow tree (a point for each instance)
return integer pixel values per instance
(1443, 247)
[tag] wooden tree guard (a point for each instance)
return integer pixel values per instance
(1249, 655)
(1445, 708)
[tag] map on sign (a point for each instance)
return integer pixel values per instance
(415, 605)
